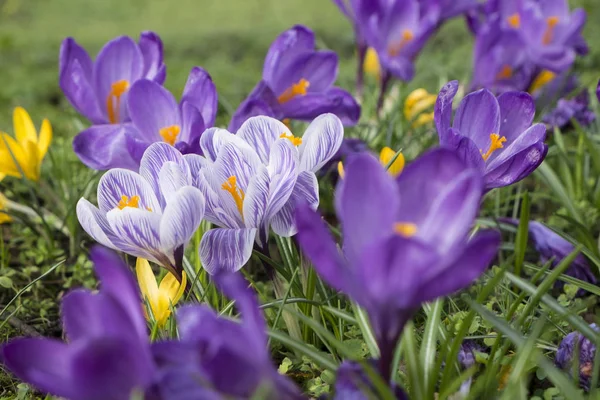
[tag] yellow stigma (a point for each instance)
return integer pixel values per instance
(230, 185)
(551, 23)
(371, 64)
(134, 202)
(542, 80)
(505, 73)
(113, 101)
(169, 134)
(340, 168)
(496, 143)
(297, 89)
(395, 48)
(296, 141)
(386, 156)
(406, 229)
(514, 20)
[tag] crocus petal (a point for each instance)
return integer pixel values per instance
(305, 190)
(181, 217)
(140, 228)
(28, 360)
(200, 91)
(152, 108)
(473, 261)
(261, 132)
(75, 79)
(213, 140)
(155, 158)
(320, 142)
(173, 287)
(146, 280)
(366, 202)
(120, 59)
(285, 48)
(44, 139)
(401, 67)
(517, 110)
(261, 101)
(226, 250)
(104, 146)
(171, 178)
(24, 128)
(333, 100)
(464, 148)
(283, 167)
(193, 126)
(517, 167)
(478, 116)
(318, 245)
(256, 200)
(443, 107)
(95, 223)
(535, 134)
(152, 52)
(319, 68)
(117, 183)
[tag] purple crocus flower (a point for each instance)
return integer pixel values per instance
(577, 108)
(98, 90)
(297, 83)
(152, 214)
(352, 383)
(395, 256)
(483, 124)
(397, 30)
(252, 181)
(587, 352)
(452, 8)
(553, 247)
(217, 358)
(108, 352)
(157, 116)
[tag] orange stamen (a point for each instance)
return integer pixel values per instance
(406, 229)
(126, 201)
(297, 89)
(551, 23)
(230, 185)
(505, 73)
(113, 101)
(395, 48)
(296, 141)
(169, 133)
(497, 142)
(514, 20)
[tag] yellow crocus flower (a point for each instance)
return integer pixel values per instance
(541, 80)
(371, 64)
(28, 149)
(385, 157)
(4, 217)
(417, 102)
(160, 297)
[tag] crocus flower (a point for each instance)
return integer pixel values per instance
(4, 216)
(152, 214)
(107, 355)
(387, 157)
(405, 239)
(466, 356)
(98, 90)
(351, 382)
(252, 181)
(577, 108)
(416, 105)
(160, 297)
(493, 135)
(587, 352)
(217, 358)
(157, 116)
(297, 83)
(553, 247)
(24, 155)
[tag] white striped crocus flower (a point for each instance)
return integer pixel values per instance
(151, 214)
(253, 180)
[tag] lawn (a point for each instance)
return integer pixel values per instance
(229, 38)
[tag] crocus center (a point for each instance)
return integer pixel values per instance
(514, 20)
(230, 185)
(497, 142)
(126, 201)
(113, 100)
(406, 229)
(169, 133)
(396, 47)
(296, 141)
(297, 89)
(551, 23)
(542, 80)
(505, 73)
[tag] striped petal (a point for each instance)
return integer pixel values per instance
(226, 250)
(173, 177)
(118, 182)
(181, 218)
(306, 190)
(320, 142)
(95, 223)
(139, 228)
(283, 172)
(256, 200)
(212, 140)
(153, 160)
(261, 132)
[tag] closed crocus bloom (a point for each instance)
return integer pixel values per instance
(160, 297)
(252, 181)
(4, 217)
(156, 116)
(566, 110)
(493, 135)
(417, 103)
(587, 351)
(371, 65)
(396, 255)
(24, 153)
(107, 355)
(388, 158)
(217, 358)
(99, 90)
(152, 214)
(297, 83)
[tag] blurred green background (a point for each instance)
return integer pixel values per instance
(227, 37)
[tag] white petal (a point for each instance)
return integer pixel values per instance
(171, 178)
(260, 133)
(122, 182)
(139, 228)
(181, 218)
(320, 142)
(226, 249)
(306, 190)
(153, 160)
